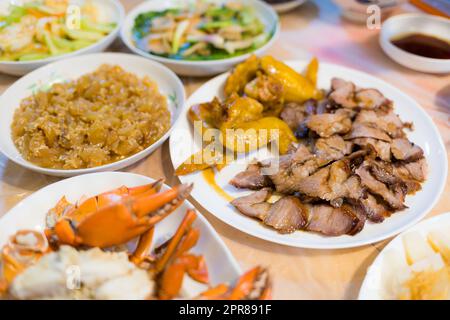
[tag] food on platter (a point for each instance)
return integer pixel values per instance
(422, 270)
(99, 118)
(256, 91)
(202, 31)
(42, 29)
(346, 161)
(101, 248)
(353, 163)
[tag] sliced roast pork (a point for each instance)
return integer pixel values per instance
(330, 221)
(285, 215)
(346, 94)
(403, 149)
(412, 173)
(343, 93)
(289, 214)
(370, 99)
(363, 130)
(251, 178)
(328, 124)
(333, 183)
(254, 205)
(393, 194)
(381, 148)
(332, 148)
(353, 162)
(385, 120)
(375, 210)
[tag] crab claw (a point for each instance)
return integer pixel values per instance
(253, 285)
(23, 250)
(120, 221)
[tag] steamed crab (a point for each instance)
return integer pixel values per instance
(83, 252)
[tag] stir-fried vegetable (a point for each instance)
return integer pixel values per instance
(38, 30)
(201, 32)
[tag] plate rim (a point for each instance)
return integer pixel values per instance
(330, 246)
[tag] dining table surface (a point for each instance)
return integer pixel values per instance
(316, 28)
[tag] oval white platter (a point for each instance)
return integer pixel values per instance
(375, 283)
(169, 85)
(30, 213)
(426, 135)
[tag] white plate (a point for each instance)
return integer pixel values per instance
(286, 5)
(30, 214)
(415, 23)
(110, 11)
(168, 83)
(199, 68)
(425, 135)
(373, 286)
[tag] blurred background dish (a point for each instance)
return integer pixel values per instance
(285, 5)
(204, 23)
(357, 10)
(415, 265)
(437, 28)
(36, 32)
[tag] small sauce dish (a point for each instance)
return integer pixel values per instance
(417, 25)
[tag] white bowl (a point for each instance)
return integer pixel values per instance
(168, 83)
(30, 214)
(376, 284)
(112, 11)
(199, 68)
(287, 5)
(415, 23)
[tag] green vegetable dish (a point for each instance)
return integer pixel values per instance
(42, 29)
(203, 31)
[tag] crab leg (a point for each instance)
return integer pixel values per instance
(173, 244)
(143, 247)
(218, 292)
(254, 284)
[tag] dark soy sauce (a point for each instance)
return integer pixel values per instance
(423, 45)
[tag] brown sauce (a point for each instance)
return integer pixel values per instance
(209, 176)
(423, 45)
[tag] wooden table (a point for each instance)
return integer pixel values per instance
(313, 29)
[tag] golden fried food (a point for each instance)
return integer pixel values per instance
(297, 88)
(242, 74)
(102, 117)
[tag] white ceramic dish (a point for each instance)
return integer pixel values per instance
(69, 69)
(361, 11)
(415, 23)
(30, 214)
(199, 68)
(111, 11)
(425, 135)
(287, 5)
(373, 287)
